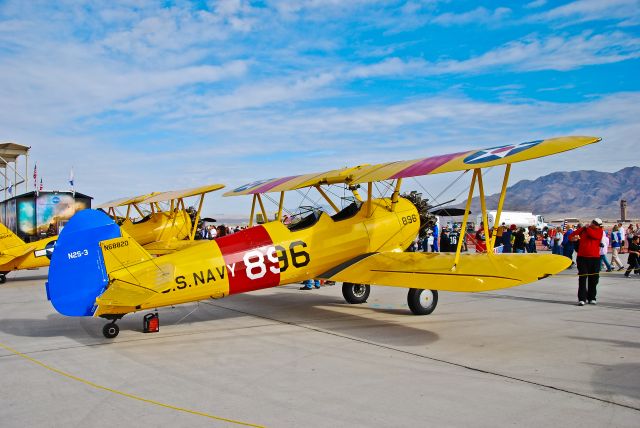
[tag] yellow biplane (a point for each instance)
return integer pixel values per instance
(15, 254)
(160, 221)
(99, 270)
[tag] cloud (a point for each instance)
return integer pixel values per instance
(535, 4)
(532, 53)
(536, 53)
(479, 15)
(590, 10)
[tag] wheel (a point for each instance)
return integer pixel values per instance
(3, 278)
(355, 293)
(110, 330)
(422, 302)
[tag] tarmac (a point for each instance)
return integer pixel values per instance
(525, 356)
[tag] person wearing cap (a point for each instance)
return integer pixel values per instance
(454, 237)
(506, 238)
(481, 245)
(588, 260)
(445, 242)
(499, 232)
(634, 253)
(436, 237)
(557, 242)
(519, 244)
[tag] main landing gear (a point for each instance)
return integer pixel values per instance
(111, 330)
(3, 278)
(355, 293)
(420, 301)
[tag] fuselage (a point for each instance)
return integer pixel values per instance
(264, 256)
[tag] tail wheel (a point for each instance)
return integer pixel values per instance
(422, 302)
(3, 278)
(110, 330)
(355, 293)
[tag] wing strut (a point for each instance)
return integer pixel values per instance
(503, 194)
(396, 192)
(280, 205)
(253, 209)
(463, 228)
(483, 208)
(197, 218)
(326, 198)
(264, 212)
(369, 198)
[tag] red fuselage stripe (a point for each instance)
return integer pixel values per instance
(249, 257)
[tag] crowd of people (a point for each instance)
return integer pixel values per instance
(213, 231)
(590, 244)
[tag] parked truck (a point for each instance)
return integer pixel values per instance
(520, 219)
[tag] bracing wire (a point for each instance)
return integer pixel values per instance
(452, 183)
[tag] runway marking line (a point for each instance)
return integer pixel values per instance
(124, 394)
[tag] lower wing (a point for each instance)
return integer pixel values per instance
(436, 271)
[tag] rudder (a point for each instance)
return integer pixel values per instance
(77, 275)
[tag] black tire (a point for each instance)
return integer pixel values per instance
(355, 293)
(110, 330)
(422, 302)
(3, 278)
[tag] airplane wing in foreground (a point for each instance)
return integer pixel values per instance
(433, 271)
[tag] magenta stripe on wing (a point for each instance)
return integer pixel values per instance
(425, 166)
(268, 186)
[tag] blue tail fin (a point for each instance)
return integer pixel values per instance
(77, 275)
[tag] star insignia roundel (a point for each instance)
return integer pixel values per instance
(499, 152)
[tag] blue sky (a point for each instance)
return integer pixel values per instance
(144, 95)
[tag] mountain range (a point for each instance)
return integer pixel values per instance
(581, 194)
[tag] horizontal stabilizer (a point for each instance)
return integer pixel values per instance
(435, 271)
(7, 256)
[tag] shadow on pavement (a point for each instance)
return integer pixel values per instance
(335, 316)
(317, 311)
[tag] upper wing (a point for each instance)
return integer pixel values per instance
(161, 196)
(433, 271)
(184, 193)
(461, 161)
(125, 201)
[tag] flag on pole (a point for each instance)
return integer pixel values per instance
(35, 176)
(41, 187)
(73, 190)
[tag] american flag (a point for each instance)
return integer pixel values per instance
(41, 186)
(35, 176)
